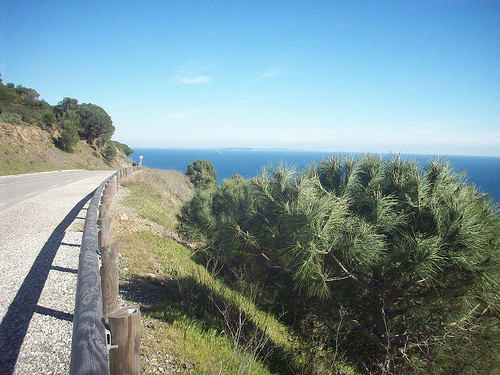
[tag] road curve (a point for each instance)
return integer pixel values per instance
(41, 223)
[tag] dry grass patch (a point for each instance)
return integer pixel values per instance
(158, 195)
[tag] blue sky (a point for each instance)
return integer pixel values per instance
(372, 76)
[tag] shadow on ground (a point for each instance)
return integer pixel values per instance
(17, 319)
(176, 298)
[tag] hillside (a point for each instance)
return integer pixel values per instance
(26, 149)
(36, 136)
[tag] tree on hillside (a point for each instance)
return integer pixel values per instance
(110, 152)
(7, 93)
(395, 265)
(93, 123)
(26, 93)
(123, 147)
(202, 175)
(49, 118)
(96, 126)
(126, 149)
(69, 136)
(68, 121)
(21, 105)
(65, 105)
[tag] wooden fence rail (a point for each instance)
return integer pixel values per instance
(91, 341)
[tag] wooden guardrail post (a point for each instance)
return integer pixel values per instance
(105, 231)
(105, 199)
(125, 327)
(115, 185)
(103, 210)
(108, 193)
(109, 253)
(110, 278)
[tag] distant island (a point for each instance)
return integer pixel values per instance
(250, 149)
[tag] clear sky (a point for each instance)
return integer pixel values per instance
(373, 76)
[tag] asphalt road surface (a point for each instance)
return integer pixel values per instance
(14, 189)
(41, 223)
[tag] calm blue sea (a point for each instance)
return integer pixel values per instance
(484, 172)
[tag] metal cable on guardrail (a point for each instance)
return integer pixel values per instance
(91, 340)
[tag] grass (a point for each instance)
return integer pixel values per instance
(158, 195)
(157, 272)
(192, 321)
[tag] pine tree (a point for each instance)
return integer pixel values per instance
(202, 175)
(397, 265)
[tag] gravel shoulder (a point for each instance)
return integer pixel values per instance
(39, 249)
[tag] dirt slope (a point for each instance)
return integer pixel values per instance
(25, 149)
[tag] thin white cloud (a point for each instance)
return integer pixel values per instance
(197, 79)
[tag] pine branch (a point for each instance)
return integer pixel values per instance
(365, 331)
(472, 314)
(352, 276)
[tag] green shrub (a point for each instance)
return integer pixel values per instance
(49, 118)
(110, 152)
(395, 265)
(12, 118)
(69, 136)
(202, 175)
(126, 149)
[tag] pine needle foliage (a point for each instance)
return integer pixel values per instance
(202, 175)
(393, 264)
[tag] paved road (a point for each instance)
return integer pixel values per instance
(41, 223)
(14, 189)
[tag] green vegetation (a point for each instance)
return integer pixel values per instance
(158, 195)
(193, 320)
(123, 147)
(69, 136)
(95, 124)
(67, 122)
(110, 152)
(202, 175)
(20, 105)
(354, 266)
(393, 267)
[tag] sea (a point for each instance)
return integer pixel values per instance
(482, 171)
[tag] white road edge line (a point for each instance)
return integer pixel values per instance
(30, 194)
